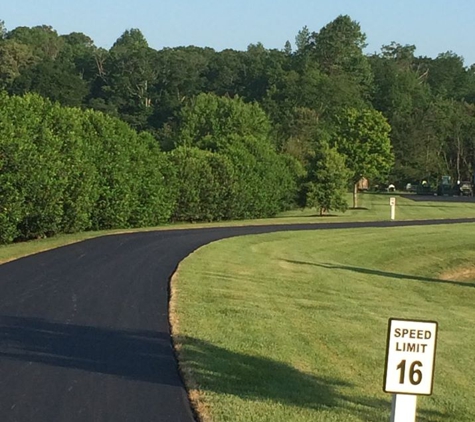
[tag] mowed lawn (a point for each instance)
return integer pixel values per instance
(292, 326)
(375, 206)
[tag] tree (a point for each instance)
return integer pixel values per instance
(302, 39)
(338, 48)
(402, 94)
(79, 51)
(362, 136)
(241, 132)
(54, 80)
(209, 122)
(300, 131)
(15, 57)
(3, 30)
(447, 75)
(399, 83)
(181, 74)
(288, 48)
(129, 76)
(327, 180)
(44, 40)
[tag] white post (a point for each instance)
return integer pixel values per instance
(392, 204)
(403, 408)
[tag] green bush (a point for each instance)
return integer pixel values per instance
(264, 182)
(206, 185)
(67, 170)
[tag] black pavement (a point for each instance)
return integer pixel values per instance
(84, 330)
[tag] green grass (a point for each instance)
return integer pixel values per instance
(376, 207)
(292, 326)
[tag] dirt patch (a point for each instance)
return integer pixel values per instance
(286, 265)
(459, 274)
(173, 315)
(195, 395)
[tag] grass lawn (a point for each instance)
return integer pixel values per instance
(376, 207)
(292, 326)
(373, 207)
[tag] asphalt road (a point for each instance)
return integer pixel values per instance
(84, 331)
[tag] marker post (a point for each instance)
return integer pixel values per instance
(392, 205)
(410, 363)
(403, 408)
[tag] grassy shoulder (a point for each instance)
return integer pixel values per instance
(292, 326)
(373, 207)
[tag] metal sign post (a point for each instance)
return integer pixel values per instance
(410, 363)
(403, 408)
(392, 204)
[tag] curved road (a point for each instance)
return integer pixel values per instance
(84, 334)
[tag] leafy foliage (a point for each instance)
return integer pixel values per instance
(328, 180)
(207, 185)
(64, 170)
(264, 180)
(243, 131)
(363, 137)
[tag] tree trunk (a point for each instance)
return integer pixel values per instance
(355, 195)
(459, 153)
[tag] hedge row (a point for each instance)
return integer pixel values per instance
(65, 170)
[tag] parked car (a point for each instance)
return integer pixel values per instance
(466, 188)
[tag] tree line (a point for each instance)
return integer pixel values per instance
(266, 128)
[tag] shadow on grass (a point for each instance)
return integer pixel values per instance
(256, 377)
(380, 273)
(136, 355)
(259, 378)
(308, 216)
(369, 410)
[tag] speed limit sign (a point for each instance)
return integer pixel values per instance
(410, 357)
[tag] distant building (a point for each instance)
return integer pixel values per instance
(363, 184)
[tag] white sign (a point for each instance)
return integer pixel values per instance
(410, 357)
(392, 203)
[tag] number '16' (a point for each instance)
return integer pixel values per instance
(415, 375)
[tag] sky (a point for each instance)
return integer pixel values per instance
(433, 26)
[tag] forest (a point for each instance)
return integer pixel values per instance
(132, 136)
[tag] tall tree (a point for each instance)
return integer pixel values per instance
(44, 40)
(447, 75)
(181, 75)
(79, 50)
(302, 39)
(54, 80)
(362, 136)
(3, 30)
(15, 57)
(338, 48)
(130, 74)
(399, 82)
(402, 94)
